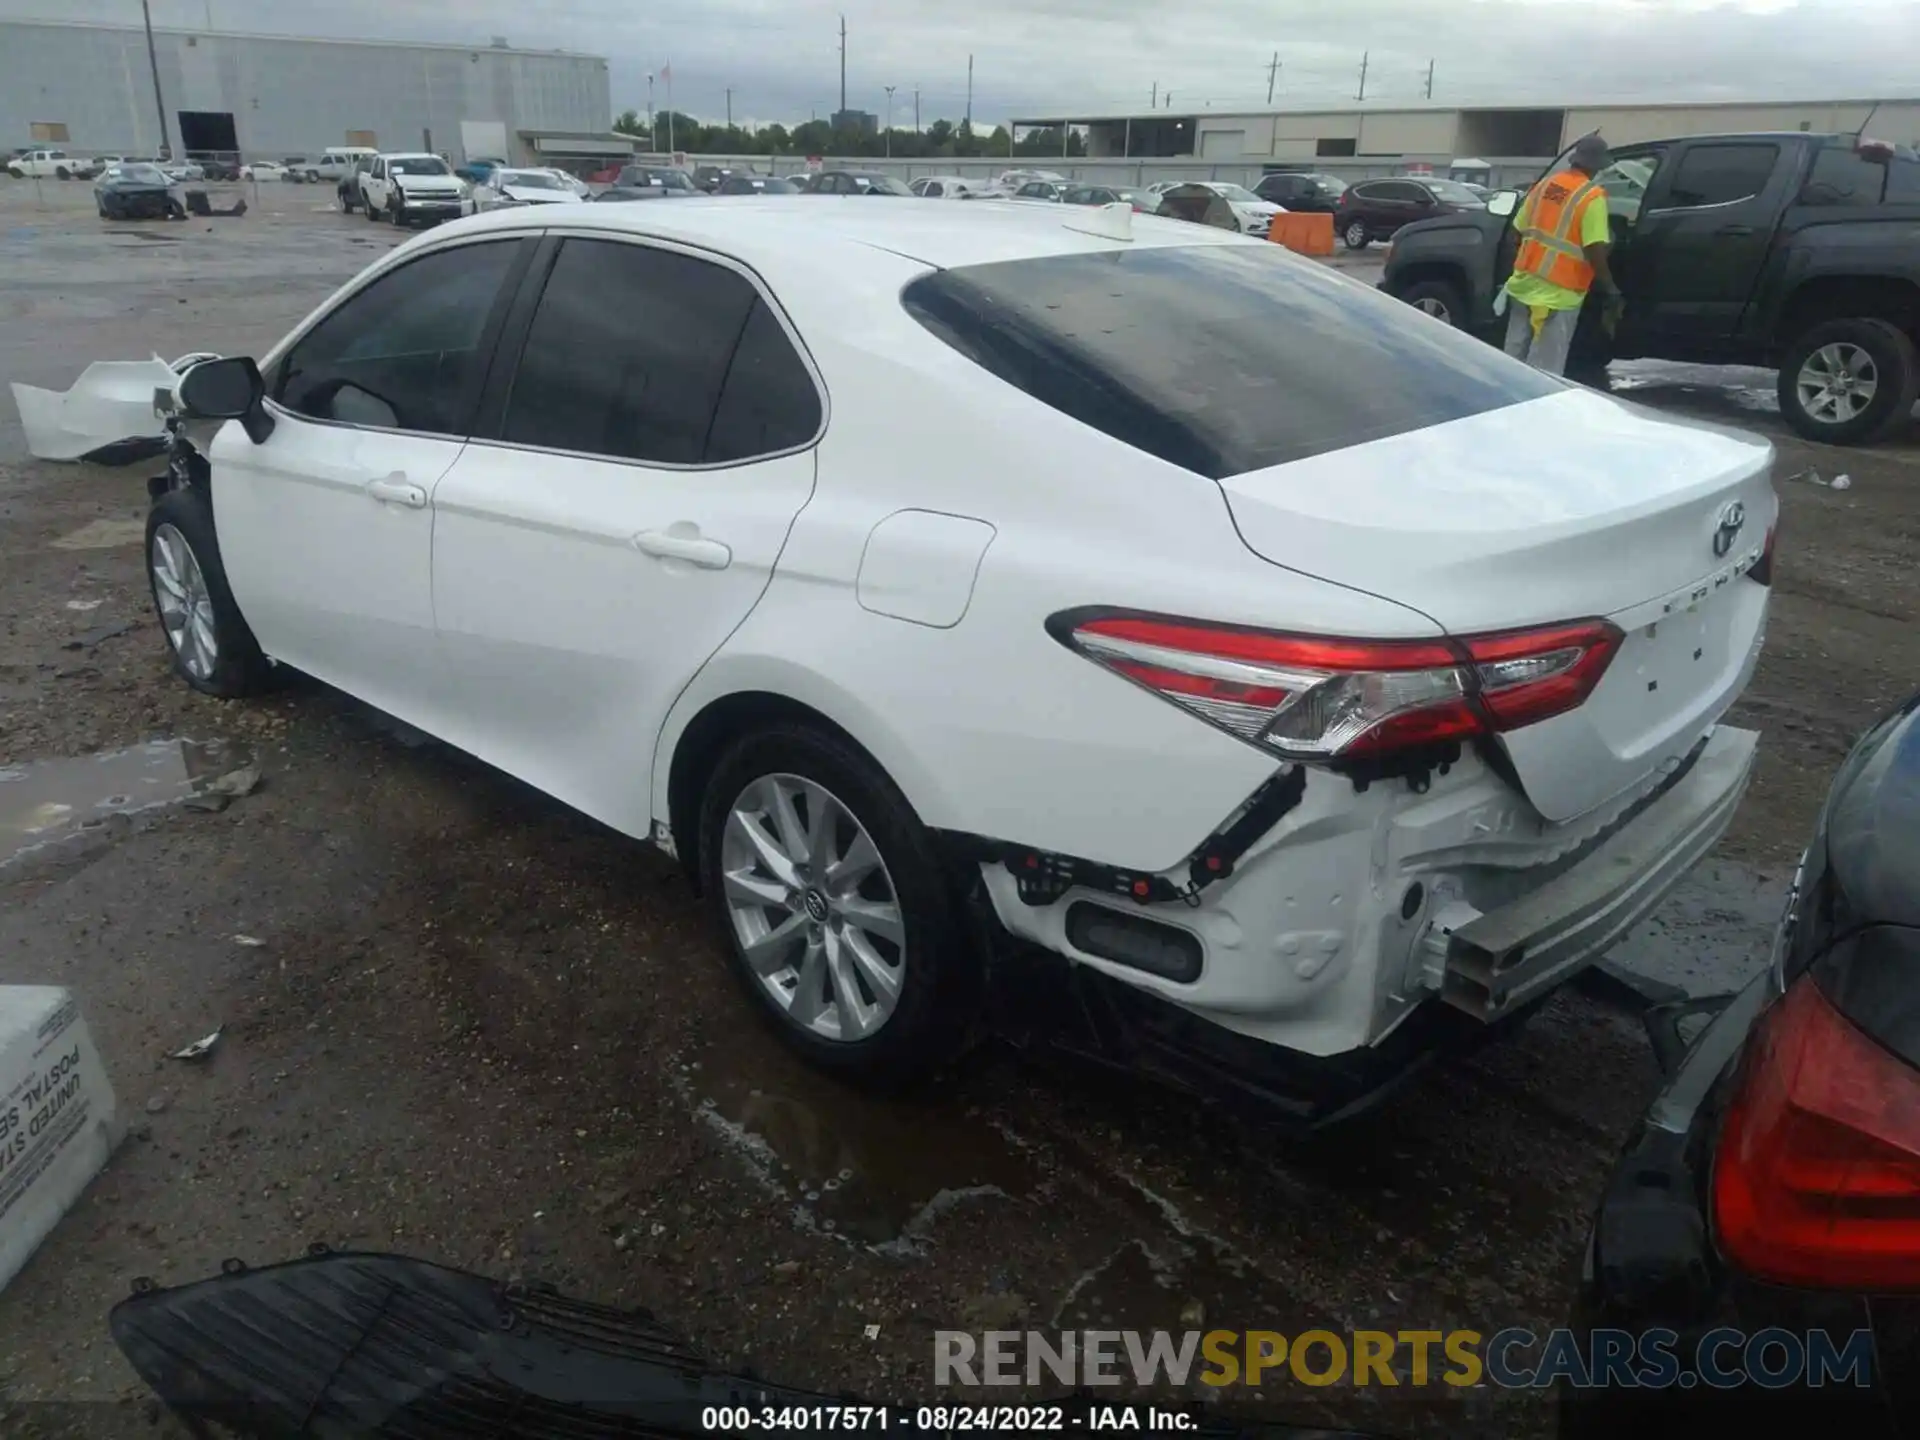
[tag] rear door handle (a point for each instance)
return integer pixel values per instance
(687, 546)
(395, 490)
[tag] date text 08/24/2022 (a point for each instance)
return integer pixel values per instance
(943, 1419)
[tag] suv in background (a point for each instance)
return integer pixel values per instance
(1787, 250)
(1377, 209)
(1302, 193)
(337, 162)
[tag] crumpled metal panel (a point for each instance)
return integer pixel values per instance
(110, 405)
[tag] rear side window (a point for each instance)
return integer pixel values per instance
(769, 402)
(628, 354)
(1721, 174)
(1218, 358)
(1841, 177)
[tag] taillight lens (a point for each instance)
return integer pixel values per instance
(1320, 698)
(1817, 1180)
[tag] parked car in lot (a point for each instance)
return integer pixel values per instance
(1774, 1186)
(854, 182)
(1254, 215)
(1107, 195)
(1378, 209)
(50, 165)
(572, 181)
(184, 171)
(1050, 192)
(137, 192)
(218, 167)
(350, 192)
(1317, 735)
(756, 185)
(337, 162)
(300, 170)
(710, 177)
(947, 187)
(674, 181)
(262, 171)
(407, 187)
(1303, 191)
(475, 172)
(506, 187)
(1792, 250)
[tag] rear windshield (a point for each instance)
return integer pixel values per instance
(1218, 358)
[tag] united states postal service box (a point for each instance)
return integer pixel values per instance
(58, 1123)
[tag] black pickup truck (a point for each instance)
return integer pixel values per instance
(1795, 251)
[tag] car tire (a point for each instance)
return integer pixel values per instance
(1875, 355)
(1355, 235)
(213, 650)
(346, 202)
(63, 173)
(396, 214)
(313, 177)
(938, 973)
(1439, 298)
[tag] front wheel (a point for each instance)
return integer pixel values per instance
(1849, 382)
(1355, 235)
(212, 648)
(837, 913)
(1439, 299)
(397, 213)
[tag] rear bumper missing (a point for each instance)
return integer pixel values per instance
(1489, 964)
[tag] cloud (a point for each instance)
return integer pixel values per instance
(780, 58)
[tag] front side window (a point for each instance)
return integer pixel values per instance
(1721, 175)
(405, 352)
(628, 355)
(1220, 359)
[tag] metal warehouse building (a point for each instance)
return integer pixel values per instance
(1362, 139)
(90, 87)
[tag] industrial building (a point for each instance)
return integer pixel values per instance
(91, 88)
(1367, 138)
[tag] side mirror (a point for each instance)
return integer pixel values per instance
(1503, 203)
(228, 389)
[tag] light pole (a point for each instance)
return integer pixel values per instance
(890, 89)
(653, 140)
(153, 59)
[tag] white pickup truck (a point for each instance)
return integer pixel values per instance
(405, 188)
(50, 165)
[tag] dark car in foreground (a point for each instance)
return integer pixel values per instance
(136, 192)
(1303, 192)
(1789, 250)
(1762, 1228)
(1379, 209)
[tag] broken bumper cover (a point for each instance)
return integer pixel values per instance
(1492, 963)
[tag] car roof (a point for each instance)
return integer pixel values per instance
(408, 155)
(936, 235)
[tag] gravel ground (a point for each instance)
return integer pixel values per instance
(484, 1030)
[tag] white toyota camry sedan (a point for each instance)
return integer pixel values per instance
(961, 591)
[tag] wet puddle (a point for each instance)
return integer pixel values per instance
(44, 801)
(875, 1171)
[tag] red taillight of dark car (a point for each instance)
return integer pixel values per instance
(1322, 697)
(1817, 1179)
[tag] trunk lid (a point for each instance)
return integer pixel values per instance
(1567, 507)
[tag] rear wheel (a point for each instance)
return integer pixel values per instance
(345, 197)
(1355, 235)
(213, 650)
(63, 173)
(1849, 382)
(1438, 298)
(836, 910)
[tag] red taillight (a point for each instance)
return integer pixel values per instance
(1322, 697)
(1817, 1180)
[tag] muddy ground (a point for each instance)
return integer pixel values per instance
(483, 1030)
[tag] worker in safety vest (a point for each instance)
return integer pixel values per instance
(1563, 255)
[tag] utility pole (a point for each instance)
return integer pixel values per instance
(969, 92)
(1430, 79)
(890, 89)
(843, 65)
(729, 107)
(1153, 103)
(1363, 75)
(1273, 74)
(653, 137)
(153, 59)
(916, 111)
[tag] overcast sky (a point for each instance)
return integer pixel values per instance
(781, 57)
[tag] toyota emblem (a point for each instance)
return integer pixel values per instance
(1732, 516)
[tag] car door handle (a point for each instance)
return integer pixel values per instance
(395, 490)
(1732, 231)
(667, 545)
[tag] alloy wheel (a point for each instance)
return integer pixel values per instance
(1837, 382)
(1430, 305)
(186, 609)
(814, 910)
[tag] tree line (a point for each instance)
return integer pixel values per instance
(941, 140)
